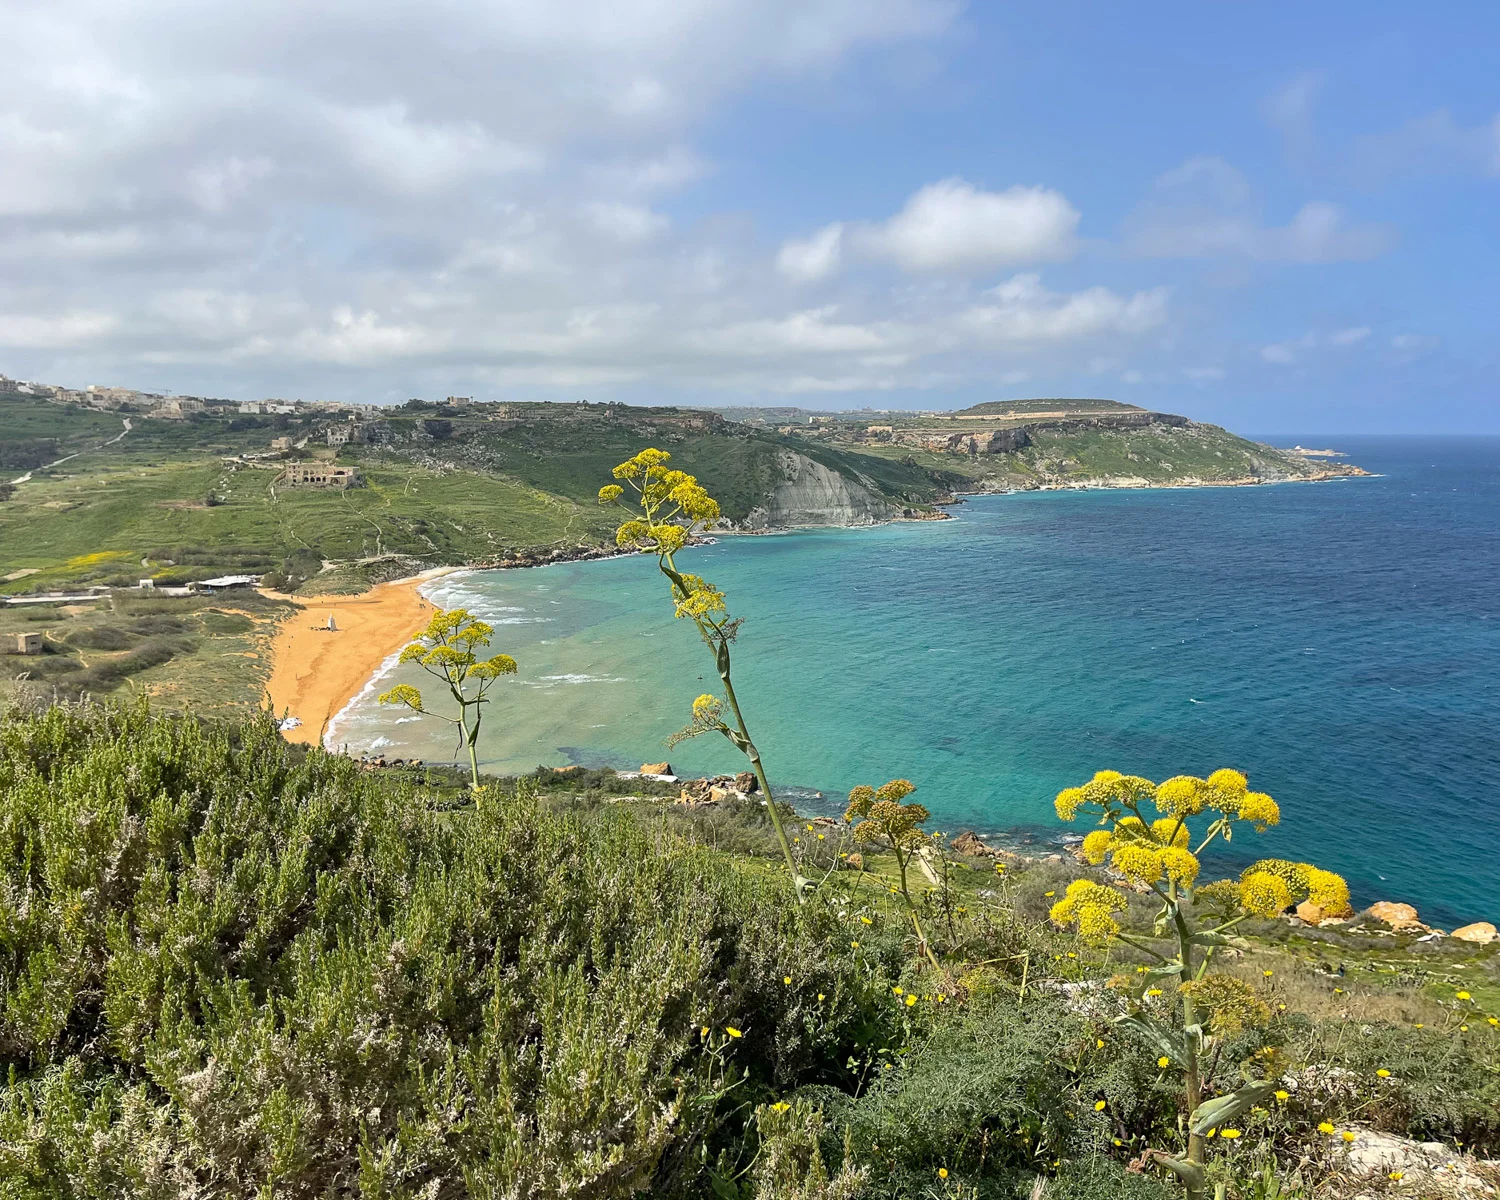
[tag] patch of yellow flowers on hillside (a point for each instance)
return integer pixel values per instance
(1158, 852)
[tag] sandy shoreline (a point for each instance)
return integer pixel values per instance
(315, 673)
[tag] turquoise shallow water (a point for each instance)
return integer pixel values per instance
(1339, 642)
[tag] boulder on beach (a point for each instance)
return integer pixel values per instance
(661, 768)
(1481, 933)
(1397, 916)
(746, 782)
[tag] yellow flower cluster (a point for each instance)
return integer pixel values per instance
(697, 599)
(1145, 853)
(1301, 881)
(671, 504)
(1090, 906)
(883, 818)
(1229, 1003)
(1225, 791)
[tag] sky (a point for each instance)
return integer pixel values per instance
(1279, 217)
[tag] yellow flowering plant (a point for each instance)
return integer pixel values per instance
(664, 508)
(1160, 852)
(448, 650)
(884, 820)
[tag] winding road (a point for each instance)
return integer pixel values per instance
(26, 478)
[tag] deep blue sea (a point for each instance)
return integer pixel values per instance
(1339, 642)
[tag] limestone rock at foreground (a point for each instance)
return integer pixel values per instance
(1481, 933)
(661, 768)
(1428, 1169)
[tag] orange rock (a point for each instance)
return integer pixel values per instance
(1481, 932)
(660, 768)
(1397, 916)
(1310, 912)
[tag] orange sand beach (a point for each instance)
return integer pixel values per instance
(315, 671)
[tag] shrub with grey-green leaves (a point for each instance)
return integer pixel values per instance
(234, 967)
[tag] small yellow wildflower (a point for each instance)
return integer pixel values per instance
(867, 921)
(821, 997)
(1283, 1096)
(1099, 1105)
(1383, 1073)
(1463, 1029)
(1325, 1126)
(780, 1106)
(1268, 974)
(854, 945)
(1098, 1043)
(1163, 1062)
(1231, 1134)
(732, 1031)
(1153, 992)
(942, 1172)
(1398, 1176)
(1049, 895)
(1494, 1020)
(896, 991)
(703, 1030)
(910, 1000)
(1463, 995)
(1420, 1025)
(1347, 1135)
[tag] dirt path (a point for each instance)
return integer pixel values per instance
(315, 672)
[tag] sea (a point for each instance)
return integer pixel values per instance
(1339, 642)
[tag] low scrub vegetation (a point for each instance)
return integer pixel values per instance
(235, 967)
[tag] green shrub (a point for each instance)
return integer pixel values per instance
(232, 961)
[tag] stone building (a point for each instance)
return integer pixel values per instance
(320, 475)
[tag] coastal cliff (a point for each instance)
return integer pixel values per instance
(809, 493)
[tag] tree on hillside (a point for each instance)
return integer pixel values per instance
(448, 651)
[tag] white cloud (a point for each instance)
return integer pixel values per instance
(629, 224)
(1434, 143)
(1022, 310)
(379, 201)
(1286, 353)
(953, 226)
(1205, 209)
(812, 259)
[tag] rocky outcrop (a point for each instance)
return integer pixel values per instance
(1397, 916)
(1481, 933)
(970, 843)
(811, 494)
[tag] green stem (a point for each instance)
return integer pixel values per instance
(911, 909)
(1192, 1082)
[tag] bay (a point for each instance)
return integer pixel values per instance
(1339, 642)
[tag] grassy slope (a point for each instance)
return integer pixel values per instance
(212, 653)
(1003, 408)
